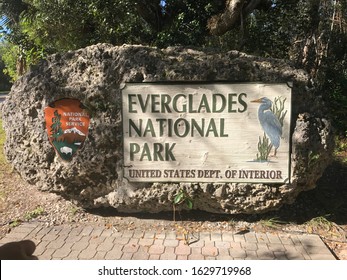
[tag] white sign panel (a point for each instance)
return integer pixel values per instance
(206, 132)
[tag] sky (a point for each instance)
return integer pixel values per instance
(3, 27)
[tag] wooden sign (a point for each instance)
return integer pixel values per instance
(206, 132)
(67, 124)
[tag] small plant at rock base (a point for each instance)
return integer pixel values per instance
(15, 223)
(271, 223)
(318, 223)
(182, 197)
(34, 213)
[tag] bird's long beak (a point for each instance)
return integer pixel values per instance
(257, 101)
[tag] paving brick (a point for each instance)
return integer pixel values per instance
(251, 255)
(156, 249)
(149, 234)
(138, 234)
(88, 253)
(130, 248)
(42, 232)
(82, 244)
(121, 240)
(280, 256)
(262, 237)
(171, 235)
(96, 239)
(160, 235)
(115, 253)
(55, 244)
(216, 236)
(286, 240)
(106, 246)
(250, 237)
(158, 242)
(223, 254)
(107, 233)
(275, 247)
(140, 255)
(24, 230)
(222, 244)
(171, 242)
(87, 230)
(198, 244)
(169, 254)
(237, 253)
(128, 234)
(127, 256)
(294, 255)
(63, 252)
(322, 257)
(146, 241)
(154, 257)
(249, 246)
(311, 240)
(182, 249)
(239, 238)
(41, 247)
(205, 236)
(72, 256)
(47, 254)
(182, 258)
(196, 256)
(49, 237)
(76, 231)
(209, 251)
(273, 238)
(99, 256)
(73, 238)
(227, 236)
(317, 250)
(263, 254)
(97, 231)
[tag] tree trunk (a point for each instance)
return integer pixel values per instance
(235, 10)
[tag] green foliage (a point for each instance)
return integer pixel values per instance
(183, 197)
(312, 34)
(272, 223)
(34, 213)
(9, 54)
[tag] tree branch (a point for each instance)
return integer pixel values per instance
(220, 24)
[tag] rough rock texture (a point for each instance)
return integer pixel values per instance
(95, 76)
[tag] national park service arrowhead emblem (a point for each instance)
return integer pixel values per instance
(67, 124)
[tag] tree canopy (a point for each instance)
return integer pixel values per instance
(310, 33)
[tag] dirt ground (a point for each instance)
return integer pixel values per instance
(322, 211)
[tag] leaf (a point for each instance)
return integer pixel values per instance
(179, 198)
(189, 203)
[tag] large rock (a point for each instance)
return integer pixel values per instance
(95, 76)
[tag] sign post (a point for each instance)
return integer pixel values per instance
(206, 132)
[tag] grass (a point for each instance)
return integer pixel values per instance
(273, 223)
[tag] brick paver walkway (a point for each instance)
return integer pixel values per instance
(77, 242)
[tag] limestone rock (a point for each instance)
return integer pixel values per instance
(95, 76)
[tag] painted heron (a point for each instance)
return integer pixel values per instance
(269, 122)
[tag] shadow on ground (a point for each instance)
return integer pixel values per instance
(328, 200)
